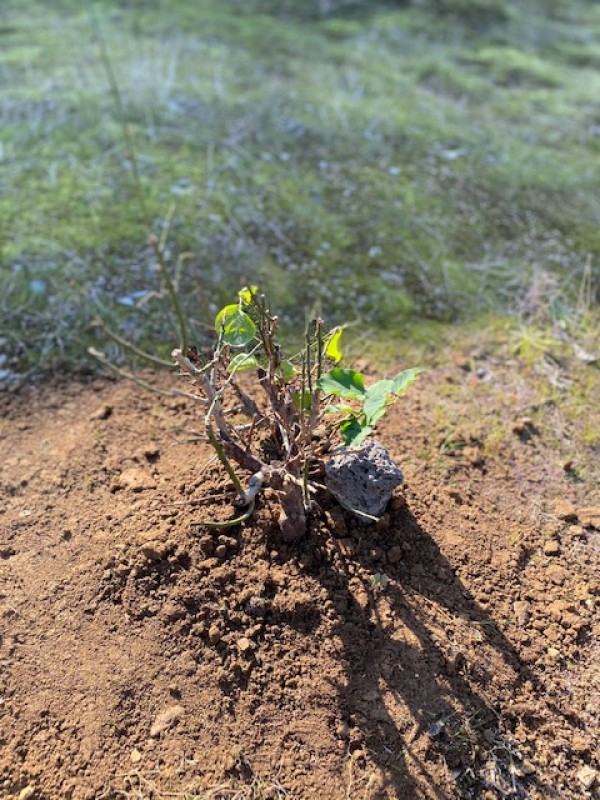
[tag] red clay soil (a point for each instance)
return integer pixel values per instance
(450, 651)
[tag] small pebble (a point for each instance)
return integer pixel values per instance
(103, 412)
(135, 756)
(244, 645)
(214, 634)
(587, 776)
(394, 554)
(564, 509)
(556, 574)
(229, 542)
(172, 611)
(589, 517)
(221, 551)
(207, 545)
(551, 548)
(153, 550)
(165, 720)
(521, 609)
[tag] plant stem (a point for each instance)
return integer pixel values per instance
(229, 523)
(307, 357)
(130, 346)
(123, 374)
(214, 409)
(218, 448)
(174, 300)
(319, 348)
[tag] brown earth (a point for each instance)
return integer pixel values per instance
(450, 651)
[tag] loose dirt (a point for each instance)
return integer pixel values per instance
(450, 651)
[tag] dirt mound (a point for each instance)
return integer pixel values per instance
(447, 652)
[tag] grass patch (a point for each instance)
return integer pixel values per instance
(413, 161)
(507, 66)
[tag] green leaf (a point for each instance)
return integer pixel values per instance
(380, 394)
(380, 579)
(381, 388)
(337, 408)
(343, 383)
(374, 417)
(302, 400)
(377, 399)
(243, 361)
(353, 431)
(247, 293)
(237, 327)
(375, 408)
(286, 370)
(332, 349)
(404, 379)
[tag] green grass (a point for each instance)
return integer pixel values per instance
(396, 161)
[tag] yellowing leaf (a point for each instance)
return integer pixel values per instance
(247, 293)
(332, 349)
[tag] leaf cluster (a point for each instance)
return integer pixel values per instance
(375, 399)
(237, 328)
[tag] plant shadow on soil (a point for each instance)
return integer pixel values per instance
(426, 690)
(406, 655)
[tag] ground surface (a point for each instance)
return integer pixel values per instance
(450, 651)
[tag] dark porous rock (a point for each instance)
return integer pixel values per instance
(362, 479)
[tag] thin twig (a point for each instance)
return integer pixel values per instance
(229, 523)
(161, 362)
(123, 374)
(173, 298)
(215, 410)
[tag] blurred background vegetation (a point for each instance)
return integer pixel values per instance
(411, 165)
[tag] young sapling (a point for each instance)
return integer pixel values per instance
(292, 426)
(290, 422)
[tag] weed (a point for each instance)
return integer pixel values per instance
(531, 343)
